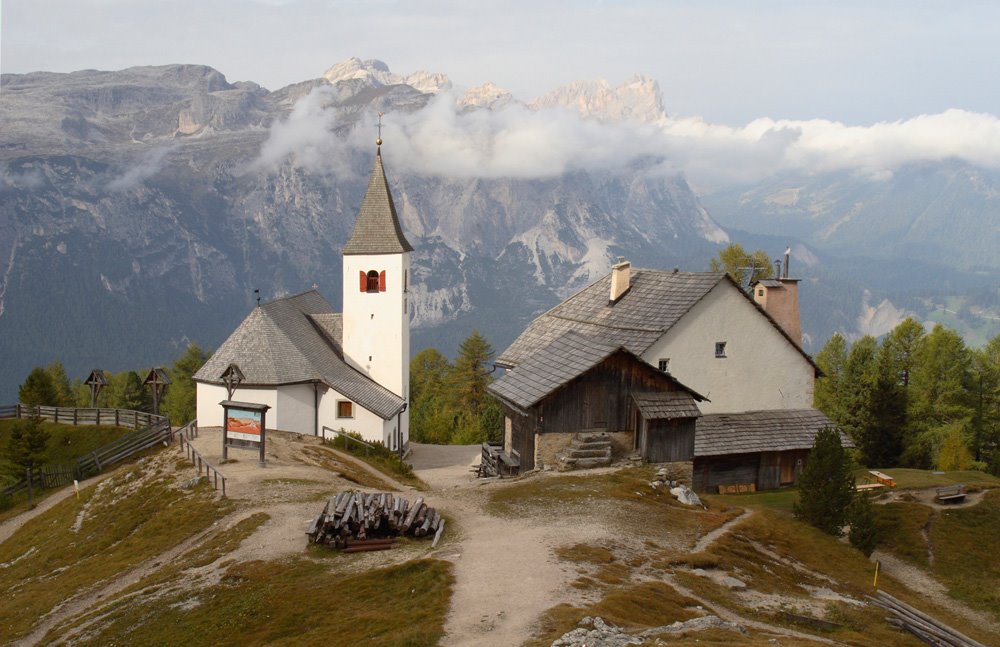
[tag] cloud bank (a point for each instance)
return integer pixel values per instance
(148, 165)
(443, 140)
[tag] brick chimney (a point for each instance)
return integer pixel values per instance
(780, 298)
(619, 279)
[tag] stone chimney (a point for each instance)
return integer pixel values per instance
(780, 298)
(619, 279)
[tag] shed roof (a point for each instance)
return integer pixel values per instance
(760, 431)
(295, 340)
(377, 229)
(555, 365)
(659, 405)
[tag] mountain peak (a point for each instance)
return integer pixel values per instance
(376, 73)
(637, 98)
(488, 95)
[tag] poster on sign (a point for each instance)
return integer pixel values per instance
(243, 425)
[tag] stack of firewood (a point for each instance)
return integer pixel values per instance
(356, 521)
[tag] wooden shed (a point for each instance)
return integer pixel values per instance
(581, 384)
(767, 449)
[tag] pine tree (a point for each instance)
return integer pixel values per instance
(37, 390)
(476, 411)
(826, 486)
(986, 401)
(27, 444)
(864, 532)
(881, 442)
(828, 394)
(431, 417)
(180, 401)
(60, 384)
(860, 370)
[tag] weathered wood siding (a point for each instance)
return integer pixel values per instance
(522, 438)
(712, 471)
(599, 399)
(666, 441)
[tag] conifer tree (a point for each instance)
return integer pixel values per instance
(829, 388)
(180, 401)
(60, 385)
(826, 486)
(864, 532)
(37, 390)
(27, 444)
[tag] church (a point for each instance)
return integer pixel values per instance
(317, 368)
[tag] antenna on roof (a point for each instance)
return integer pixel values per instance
(378, 142)
(256, 293)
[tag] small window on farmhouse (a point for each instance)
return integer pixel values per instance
(720, 349)
(345, 409)
(664, 365)
(760, 292)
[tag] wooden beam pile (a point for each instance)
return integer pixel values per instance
(359, 521)
(920, 624)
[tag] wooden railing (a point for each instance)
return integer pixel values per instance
(211, 472)
(154, 430)
(82, 415)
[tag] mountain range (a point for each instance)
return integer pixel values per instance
(140, 210)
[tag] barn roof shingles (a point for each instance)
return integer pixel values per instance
(297, 340)
(760, 431)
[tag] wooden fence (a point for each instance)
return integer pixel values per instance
(213, 475)
(82, 416)
(155, 430)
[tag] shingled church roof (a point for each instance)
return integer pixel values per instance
(377, 229)
(297, 340)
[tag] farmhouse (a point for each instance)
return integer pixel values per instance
(317, 368)
(738, 360)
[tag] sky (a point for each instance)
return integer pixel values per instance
(728, 62)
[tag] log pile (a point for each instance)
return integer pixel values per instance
(920, 624)
(359, 521)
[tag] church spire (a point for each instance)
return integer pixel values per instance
(377, 229)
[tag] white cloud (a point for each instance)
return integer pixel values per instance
(148, 165)
(515, 141)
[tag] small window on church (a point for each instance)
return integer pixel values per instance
(372, 285)
(345, 409)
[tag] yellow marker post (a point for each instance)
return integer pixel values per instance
(76, 486)
(875, 582)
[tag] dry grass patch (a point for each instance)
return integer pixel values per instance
(585, 553)
(125, 520)
(330, 460)
(965, 545)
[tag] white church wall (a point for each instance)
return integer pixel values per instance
(761, 369)
(296, 409)
(210, 395)
(364, 422)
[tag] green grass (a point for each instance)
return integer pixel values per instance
(294, 602)
(965, 545)
(899, 527)
(782, 499)
(911, 478)
(66, 442)
(48, 561)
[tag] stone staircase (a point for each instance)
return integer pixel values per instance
(585, 451)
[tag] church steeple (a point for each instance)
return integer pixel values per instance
(377, 229)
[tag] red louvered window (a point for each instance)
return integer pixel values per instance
(381, 281)
(364, 281)
(373, 282)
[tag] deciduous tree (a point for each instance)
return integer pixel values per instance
(736, 262)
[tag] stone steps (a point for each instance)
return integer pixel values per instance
(585, 451)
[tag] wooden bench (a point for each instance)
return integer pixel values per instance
(883, 478)
(951, 494)
(509, 464)
(869, 487)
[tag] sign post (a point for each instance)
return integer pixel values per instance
(244, 426)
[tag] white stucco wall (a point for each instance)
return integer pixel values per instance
(377, 324)
(364, 422)
(295, 410)
(761, 370)
(210, 395)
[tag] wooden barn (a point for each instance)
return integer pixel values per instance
(766, 449)
(577, 384)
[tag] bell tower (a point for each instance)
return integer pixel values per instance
(376, 319)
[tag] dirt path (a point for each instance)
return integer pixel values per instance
(709, 539)
(12, 525)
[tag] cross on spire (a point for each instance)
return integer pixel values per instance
(378, 142)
